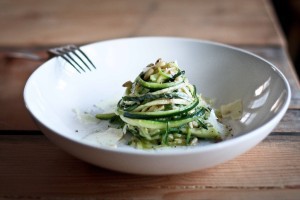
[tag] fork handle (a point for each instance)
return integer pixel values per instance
(27, 56)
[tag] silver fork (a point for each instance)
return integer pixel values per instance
(69, 53)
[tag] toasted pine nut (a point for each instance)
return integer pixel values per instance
(194, 141)
(148, 73)
(127, 84)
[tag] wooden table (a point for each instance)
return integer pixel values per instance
(31, 167)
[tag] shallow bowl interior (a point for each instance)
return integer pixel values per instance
(220, 72)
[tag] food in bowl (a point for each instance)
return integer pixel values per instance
(162, 109)
(218, 71)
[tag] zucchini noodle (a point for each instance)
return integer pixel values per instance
(161, 108)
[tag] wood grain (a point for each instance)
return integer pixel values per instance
(31, 166)
(15, 72)
(166, 194)
(290, 122)
(56, 22)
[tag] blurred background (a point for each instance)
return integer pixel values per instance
(288, 12)
(31, 24)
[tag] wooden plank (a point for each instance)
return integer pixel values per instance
(15, 72)
(13, 76)
(56, 22)
(31, 165)
(201, 19)
(168, 194)
(289, 123)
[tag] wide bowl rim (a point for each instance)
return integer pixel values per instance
(230, 142)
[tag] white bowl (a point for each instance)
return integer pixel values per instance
(219, 71)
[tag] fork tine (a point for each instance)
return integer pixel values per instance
(66, 53)
(70, 57)
(77, 48)
(74, 52)
(66, 59)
